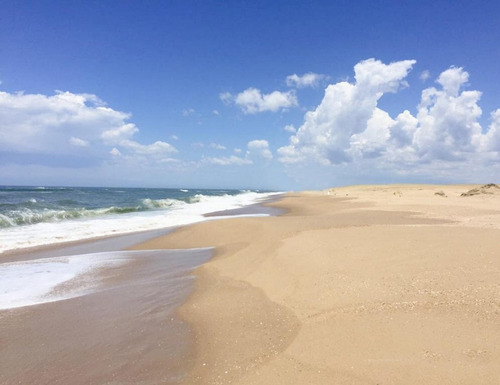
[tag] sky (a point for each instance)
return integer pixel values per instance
(280, 95)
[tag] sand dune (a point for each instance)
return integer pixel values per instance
(490, 188)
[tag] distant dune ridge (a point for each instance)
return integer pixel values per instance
(490, 188)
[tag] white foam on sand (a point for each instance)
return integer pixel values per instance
(33, 282)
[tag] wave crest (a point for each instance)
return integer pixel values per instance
(160, 203)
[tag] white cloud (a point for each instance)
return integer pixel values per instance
(228, 161)
(175, 137)
(372, 141)
(491, 141)
(134, 154)
(448, 126)
(348, 127)
(452, 80)
(290, 128)
(252, 101)
(226, 97)
(118, 134)
(256, 149)
(36, 123)
(41, 124)
(424, 75)
(259, 148)
(344, 111)
(115, 152)
(403, 130)
(216, 112)
(77, 142)
(309, 79)
(158, 148)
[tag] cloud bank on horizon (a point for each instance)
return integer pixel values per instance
(346, 128)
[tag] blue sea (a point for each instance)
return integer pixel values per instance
(35, 216)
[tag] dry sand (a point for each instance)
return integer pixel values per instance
(356, 285)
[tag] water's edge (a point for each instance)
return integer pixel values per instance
(114, 244)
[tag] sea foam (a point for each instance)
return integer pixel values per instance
(167, 213)
(34, 282)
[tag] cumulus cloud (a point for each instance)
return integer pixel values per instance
(309, 79)
(452, 80)
(252, 100)
(491, 141)
(344, 111)
(349, 127)
(259, 148)
(448, 126)
(45, 124)
(118, 134)
(35, 123)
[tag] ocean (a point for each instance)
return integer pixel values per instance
(96, 283)
(32, 217)
(35, 216)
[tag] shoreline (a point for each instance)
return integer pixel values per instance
(40, 221)
(105, 243)
(359, 285)
(123, 241)
(142, 294)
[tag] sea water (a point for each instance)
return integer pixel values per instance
(35, 216)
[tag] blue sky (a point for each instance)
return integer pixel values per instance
(249, 94)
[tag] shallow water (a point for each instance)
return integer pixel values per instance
(120, 328)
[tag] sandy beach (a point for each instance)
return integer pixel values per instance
(355, 285)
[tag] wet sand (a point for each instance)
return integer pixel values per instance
(125, 332)
(357, 285)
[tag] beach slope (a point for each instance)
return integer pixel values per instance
(357, 285)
